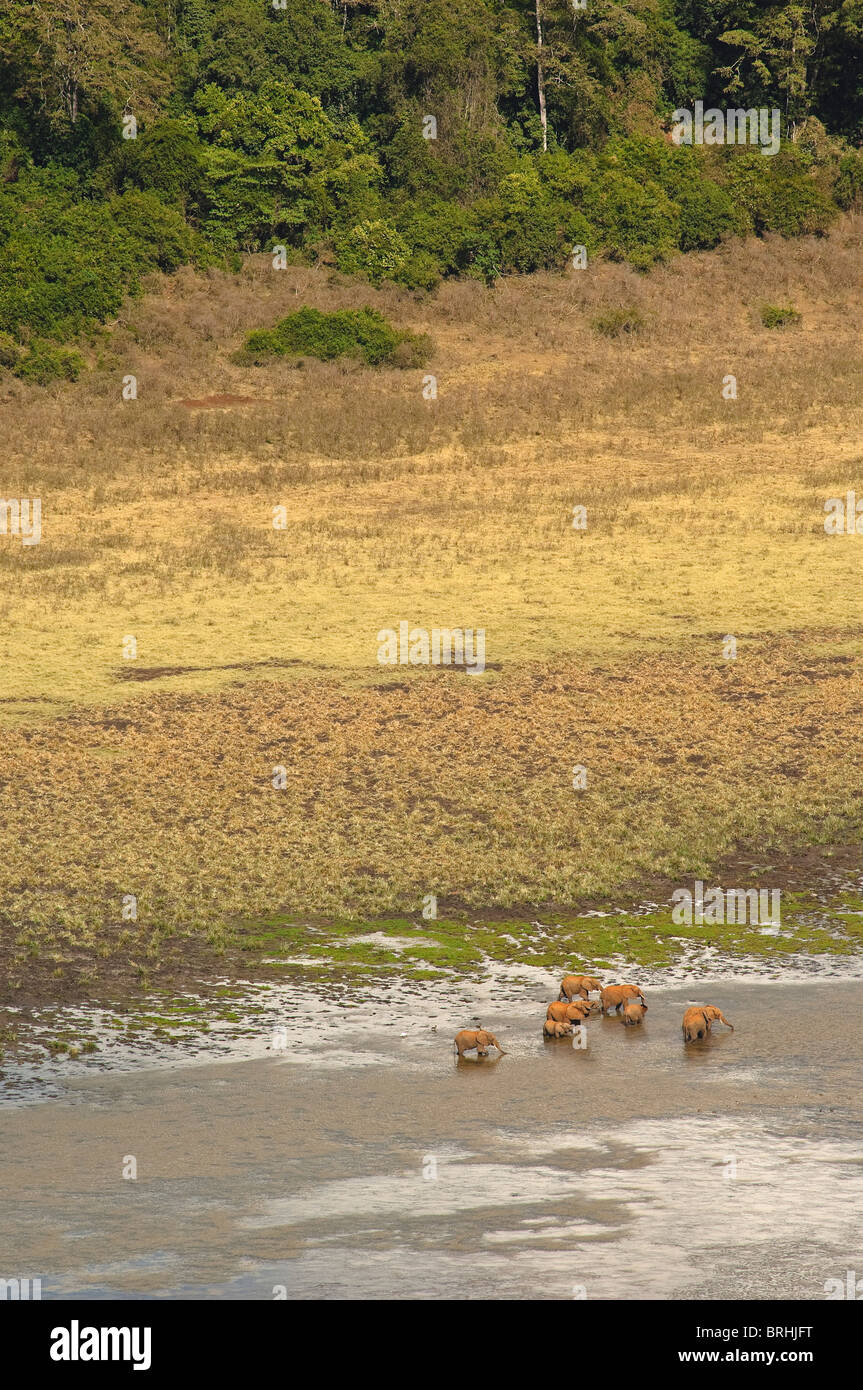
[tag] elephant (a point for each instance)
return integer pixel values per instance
(479, 1038)
(697, 1022)
(552, 1028)
(576, 1012)
(633, 1013)
(578, 984)
(615, 996)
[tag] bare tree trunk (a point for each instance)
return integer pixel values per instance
(540, 82)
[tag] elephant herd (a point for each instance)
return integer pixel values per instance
(574, 1006)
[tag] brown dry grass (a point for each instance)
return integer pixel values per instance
(443, 784)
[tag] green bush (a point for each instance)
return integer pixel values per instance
(67, 263)
(778, 194)
(691, 210)
(157, 237)
(634, 221)
(527, 223)
(167, 159)
(360, 333)
(848, 189)
(482, 254)
(373, 249)
(775, 316)
(419, 272)
(43, 363)
(10, 351)
(707, 216)
(437, 229)
(60, 285)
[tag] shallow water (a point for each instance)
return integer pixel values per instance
(360, 1163)
(300, 1013)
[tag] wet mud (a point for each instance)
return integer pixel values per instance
(355, 1157)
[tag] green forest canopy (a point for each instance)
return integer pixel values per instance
(301, 123)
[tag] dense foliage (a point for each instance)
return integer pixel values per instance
(360, 333)
(141, 134)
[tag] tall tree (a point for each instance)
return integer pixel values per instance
(540, 84)
(72, 55)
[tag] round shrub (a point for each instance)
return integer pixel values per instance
(360, 333)
(373, 249)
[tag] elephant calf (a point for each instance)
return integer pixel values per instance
(576, 1012)
(479, 1038)
(552, 1028)
(615, 996)
(697, 1022)
(633, 1013)
(578, 984)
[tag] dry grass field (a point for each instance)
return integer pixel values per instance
(257, 647)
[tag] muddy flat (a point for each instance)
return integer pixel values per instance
(356, 1162)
